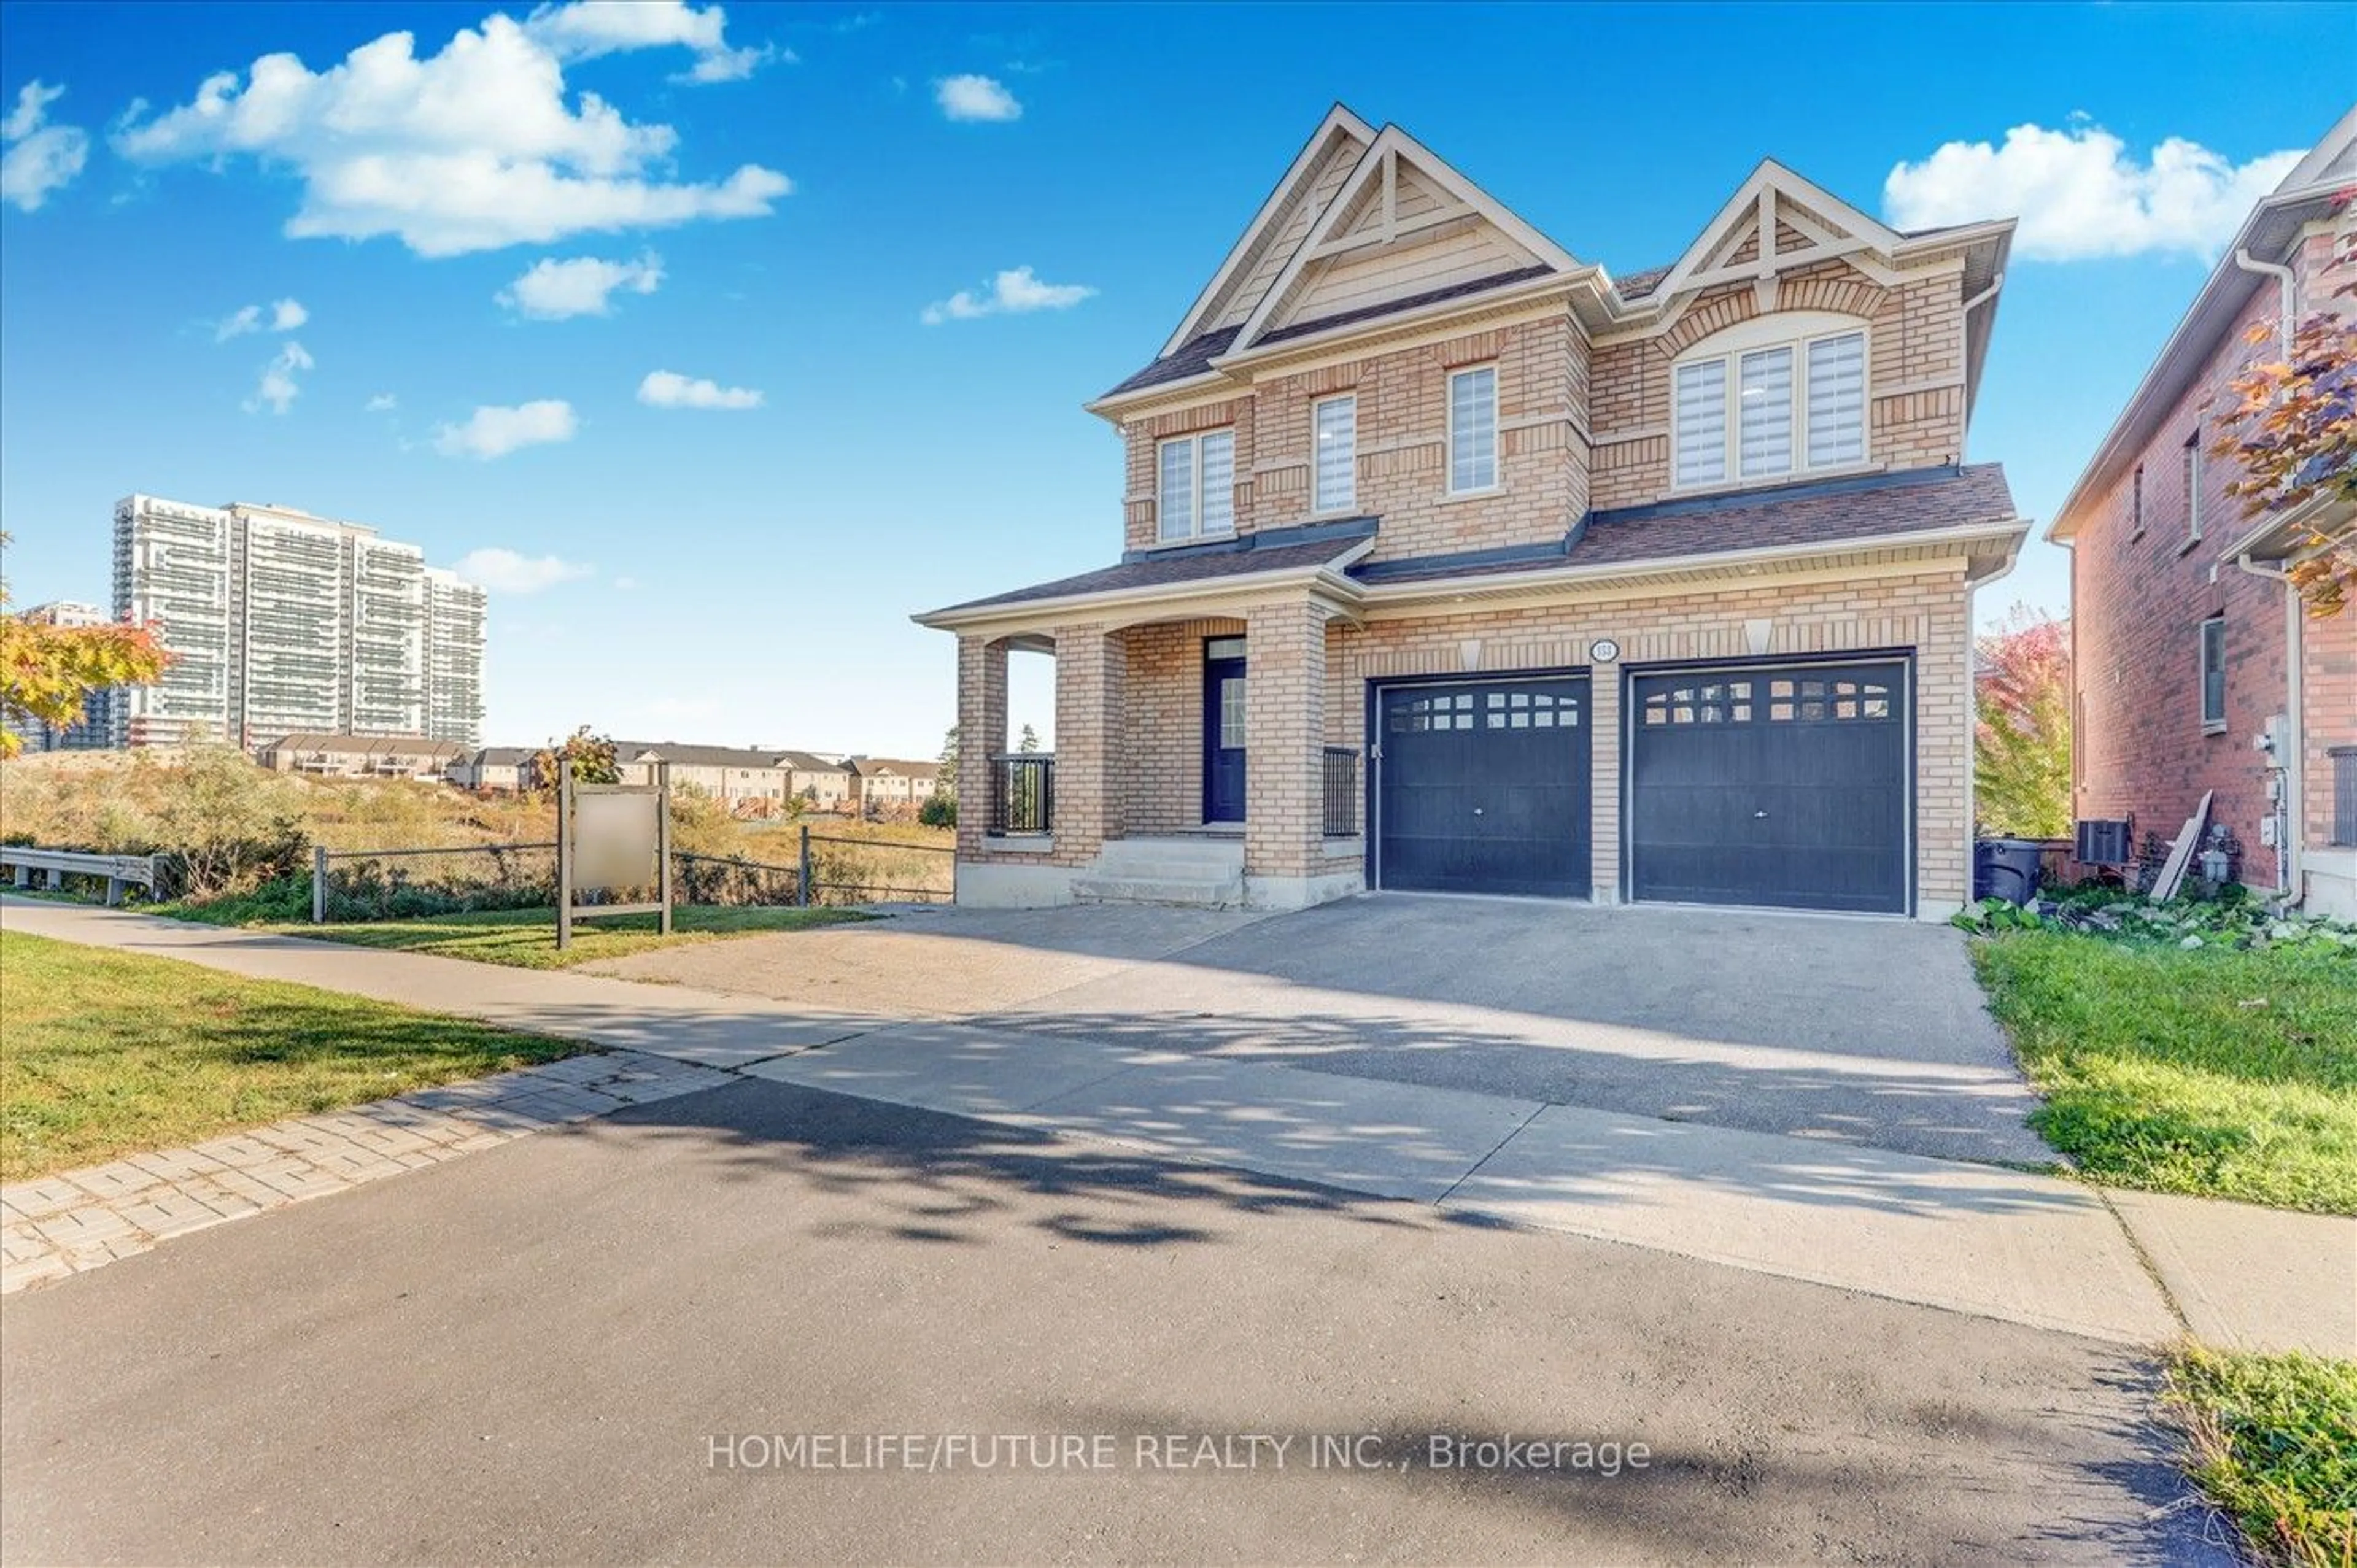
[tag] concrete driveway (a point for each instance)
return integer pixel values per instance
(1864, 1032)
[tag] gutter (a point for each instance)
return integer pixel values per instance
(2288, 292)
(1032, 612)
(1605, 571)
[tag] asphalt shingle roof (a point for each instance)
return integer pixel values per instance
(1169, 568)
(1829, 512)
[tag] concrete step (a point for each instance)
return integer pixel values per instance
(1167, 870)
(1202, 892)
(1204, 854)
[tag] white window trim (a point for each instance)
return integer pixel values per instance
(1448, 442)
(2202, 670)
(1196, 533)
(1350, 503)
(1797, 330)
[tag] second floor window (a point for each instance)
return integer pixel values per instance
(1198, 496)
(1764, 413)
(1473, 429)
(1337, 458)
(2214, 674)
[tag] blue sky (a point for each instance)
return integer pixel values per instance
(773, 202)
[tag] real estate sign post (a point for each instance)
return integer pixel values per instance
(612, 839)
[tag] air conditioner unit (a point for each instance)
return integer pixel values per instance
(2106, 842)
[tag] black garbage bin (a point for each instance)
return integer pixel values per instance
(2006, 868)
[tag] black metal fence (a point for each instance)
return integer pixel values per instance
(1023, 792)
(1341, 791)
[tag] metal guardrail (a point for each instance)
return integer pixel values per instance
(1023, 792)
(1341, 791)
(121, 871)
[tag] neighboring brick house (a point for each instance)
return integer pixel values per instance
(360, 756)
(890, 786)
(1453, 563)
(2188, 647)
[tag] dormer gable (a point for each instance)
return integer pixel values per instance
(1308, 185)
(1403, 225)
(1777, 222)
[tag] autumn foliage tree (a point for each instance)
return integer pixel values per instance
(2021, 757)
(2293, 435)
(590, 757)
(48, 672)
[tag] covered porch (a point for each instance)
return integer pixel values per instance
(1195, 760)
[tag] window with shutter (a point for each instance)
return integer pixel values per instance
(1337, 434)
(1767, 418)
(1197, 496)
(1701, 423)
(1762, 413)
(1473, 429)
(1837, 400)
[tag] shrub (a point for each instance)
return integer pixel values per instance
(940, 811)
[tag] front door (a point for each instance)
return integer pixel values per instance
(1223, 729)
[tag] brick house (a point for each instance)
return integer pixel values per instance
(2188, 649)
(1453, 563)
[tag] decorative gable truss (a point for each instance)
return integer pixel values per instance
(1403, 225)
(1317, 171)
(1778, 223)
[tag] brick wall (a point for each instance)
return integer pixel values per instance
(2139, 597)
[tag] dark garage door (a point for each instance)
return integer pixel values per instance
(1481, 786)
(1773, 787)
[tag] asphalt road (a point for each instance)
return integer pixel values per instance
(528, 1355)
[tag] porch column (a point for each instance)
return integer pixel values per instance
(1091, 673)
(982, 734)
(1284, 739)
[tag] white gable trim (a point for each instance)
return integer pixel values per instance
(1339, 123)
(1756, 202)
(1380, 162)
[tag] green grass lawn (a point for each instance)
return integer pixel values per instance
(2216, 1071)
(2273, 1442)
(106, 1054)
(526, 939)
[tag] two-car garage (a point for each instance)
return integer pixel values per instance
(1785, 786)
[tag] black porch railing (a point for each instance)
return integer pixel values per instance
(1023, 792)
(2344, 794)
(1341, 791)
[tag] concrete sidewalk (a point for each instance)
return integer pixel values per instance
(1979, 1239)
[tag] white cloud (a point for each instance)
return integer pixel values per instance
(626, 584)
(2080, 193)
(285, 315)
(41, 158)
(669, 389)
(278, 392)
(507, 572)
(495, 432)
(583, 285)
(588, 28)
(975, 98)
(1011, 292)
(474, 149)
(384, 402)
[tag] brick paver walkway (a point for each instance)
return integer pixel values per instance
(78, 1221)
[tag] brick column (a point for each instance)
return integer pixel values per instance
(982, 733)
(1284, 739)
(1091, 671)
(1604, 783)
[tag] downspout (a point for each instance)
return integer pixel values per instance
(2286, 292)
(2292, 811)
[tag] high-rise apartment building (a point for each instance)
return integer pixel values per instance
(284, 622)
(454, 613)
(91, 732)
